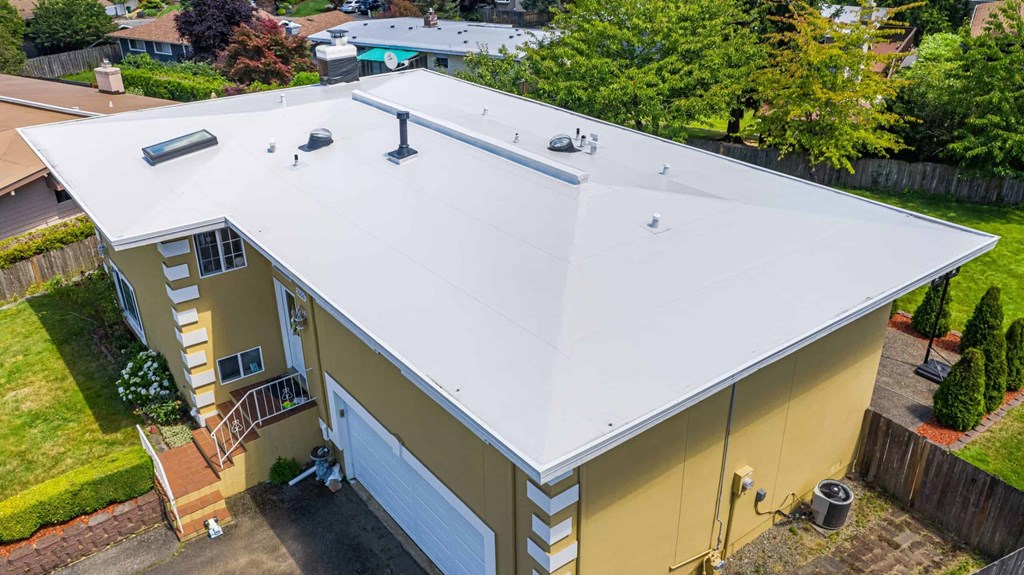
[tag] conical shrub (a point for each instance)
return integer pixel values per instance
(986, 320)
(1015, 355)
(924, 316)
(959, 401)
(995, 372)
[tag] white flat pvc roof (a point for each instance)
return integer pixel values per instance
(542, 313)
(449, 37)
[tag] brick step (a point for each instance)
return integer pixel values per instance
(204, 443)
(187, 469)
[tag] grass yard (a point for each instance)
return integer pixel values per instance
(88, 77)
(59, 408)
(311, 7)
(1003, 266)
(716, 128)
(1000, 450)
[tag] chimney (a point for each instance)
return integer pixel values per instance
(336, 62)
(404, 151)
(430, 19)
(108, 78)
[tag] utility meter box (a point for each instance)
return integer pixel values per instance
(743, 480)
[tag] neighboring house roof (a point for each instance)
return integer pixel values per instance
(520, 288)
(69, 98)
(449, 37)
(982, 13)
(316, 23)
(161, 29)
(850, 14)
(26, 8)
(18, 163)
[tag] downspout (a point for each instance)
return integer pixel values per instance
(713, 555)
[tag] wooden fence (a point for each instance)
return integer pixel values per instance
(519, 19)
(57, 65)
(67, 261)
(878, 174)
(1012, 564)
(978, 508)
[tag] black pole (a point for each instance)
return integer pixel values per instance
(938, 316)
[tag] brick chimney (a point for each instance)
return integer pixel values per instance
(108, 78)
(430, 19)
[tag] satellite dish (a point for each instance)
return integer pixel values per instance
(390, 60)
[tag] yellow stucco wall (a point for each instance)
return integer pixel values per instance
(649, 503)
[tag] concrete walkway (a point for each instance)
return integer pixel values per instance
(276, 531)
(899, 394)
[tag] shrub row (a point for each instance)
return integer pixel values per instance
(111, 479)
(24, 246)
(167, 84)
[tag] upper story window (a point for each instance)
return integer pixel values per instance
(136, 45)
(219, 251)
(130, 305)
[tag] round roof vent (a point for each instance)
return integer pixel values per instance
(318, 138)
(561, 143)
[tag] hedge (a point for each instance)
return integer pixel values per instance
(24, 246)
(166, 84)
(111, 479)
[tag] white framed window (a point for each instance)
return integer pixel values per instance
(219, 251)
(129, 303)
(136, 45)
(239, 365)
(162, 48)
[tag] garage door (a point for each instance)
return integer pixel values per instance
(454, 538)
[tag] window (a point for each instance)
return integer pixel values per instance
(136, 45)
(440, 62)
(162, 48)
(219, 251)
(130, 305)
(240, 365)
(62, 196)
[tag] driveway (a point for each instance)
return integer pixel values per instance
(276, 531)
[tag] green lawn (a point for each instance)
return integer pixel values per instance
(310, 7)
(59, 408)
(169, 8)
(1003, 266)
(88, 76)
(1000, 450)
(716, 128)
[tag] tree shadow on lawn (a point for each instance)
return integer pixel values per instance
(94, 373)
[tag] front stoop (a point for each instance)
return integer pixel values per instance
(196, 488)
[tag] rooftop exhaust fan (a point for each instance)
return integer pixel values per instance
(562, 143)
(318, 138)
(831, 504)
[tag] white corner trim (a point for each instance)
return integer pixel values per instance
(554, 561)
(567, 572)
(190, 338)
(204, 399)
(174, 273)
(182, 295)
(551, 534)
(193, 359)
(197, 380)
(175, 248)
(552, 505)
(185, 317)
(560, 478)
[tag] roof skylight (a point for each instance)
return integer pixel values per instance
(179, 146)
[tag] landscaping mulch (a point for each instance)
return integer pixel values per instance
(944, 436)
(949, 342)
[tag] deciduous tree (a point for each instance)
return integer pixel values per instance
(262, 52)
(12, 34)
(401, 9)
(445, 9)
(62, 25)
(209, 24)
(822, 92)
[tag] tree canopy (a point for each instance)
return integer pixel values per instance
(209, 24)
(445, 9)
(12, 33)
(62, 25)
(262, 52)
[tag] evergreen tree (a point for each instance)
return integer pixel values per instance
(923, 320)
(12, 35)
(986, 320)
(959, 401)
(1015, 355)
(995, 371)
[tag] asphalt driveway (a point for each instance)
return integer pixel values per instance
(276, 531)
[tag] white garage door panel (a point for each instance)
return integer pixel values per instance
(454, 538)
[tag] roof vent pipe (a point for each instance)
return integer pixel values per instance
(404, 151)
(665, 168)
(655, 221)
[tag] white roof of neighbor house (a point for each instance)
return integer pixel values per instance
(542, 313)
(449, 37)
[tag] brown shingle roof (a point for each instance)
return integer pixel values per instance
(162, 29)
(317, 22)
(71, 96)
(18, 163)
(981, 14)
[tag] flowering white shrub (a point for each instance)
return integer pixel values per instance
(145, 380)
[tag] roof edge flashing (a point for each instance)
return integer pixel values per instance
(526, 159)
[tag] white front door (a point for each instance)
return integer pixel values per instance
(286, 306)
(448, 531)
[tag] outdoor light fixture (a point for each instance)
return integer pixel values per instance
(933, 369)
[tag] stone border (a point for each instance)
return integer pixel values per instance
(987, 422)
(58, 545)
